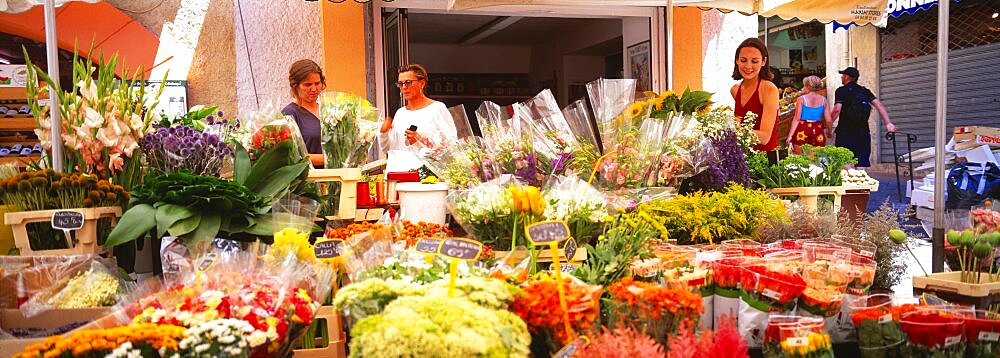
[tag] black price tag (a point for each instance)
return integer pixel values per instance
(570, 249)
(67, 220)
(462, 249)
(547, 232)
(329, 249)
(428, 246)
(207, 261)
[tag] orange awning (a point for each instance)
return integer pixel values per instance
(79, 23)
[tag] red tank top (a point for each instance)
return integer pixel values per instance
(754, 105)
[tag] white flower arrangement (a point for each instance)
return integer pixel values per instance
(221, 338)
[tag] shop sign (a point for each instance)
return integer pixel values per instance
(13, 75)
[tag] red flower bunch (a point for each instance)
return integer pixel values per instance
(876, 313)
(929, 329)
(538, 305)
(976, 325)
(269, 136)
(657, 302)
(411, 232)
(726, 273)
(724, 342)
(771, 286)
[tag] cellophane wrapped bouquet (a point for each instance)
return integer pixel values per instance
(464, 164)
(563, 148)
(348, 127)
(649, 145)
(794, 336)
(268, 127)
(509, 140)
(275, 299)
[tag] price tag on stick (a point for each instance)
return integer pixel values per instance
(458, 249)
(67, 220)
(329, 249)
(547, 232)
(570, 249)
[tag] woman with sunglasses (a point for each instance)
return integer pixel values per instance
(421, 126)
(307, 82)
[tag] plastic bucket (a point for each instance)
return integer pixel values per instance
(423, 202)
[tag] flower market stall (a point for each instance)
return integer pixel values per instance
(666, 237)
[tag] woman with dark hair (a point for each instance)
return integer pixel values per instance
(306, 82)
(755, 93)
(421, 126)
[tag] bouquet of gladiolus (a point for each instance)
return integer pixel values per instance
(277, 298)
(348, 125)
(794, 336)
(656, 310)
(102, 120)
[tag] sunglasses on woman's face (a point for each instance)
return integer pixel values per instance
(406, 83)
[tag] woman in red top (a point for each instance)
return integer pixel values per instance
(755, 92)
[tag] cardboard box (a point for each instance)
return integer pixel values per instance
(12, 318)
(38, 273)
(973, 136)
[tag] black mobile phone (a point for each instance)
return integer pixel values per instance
(413, 128)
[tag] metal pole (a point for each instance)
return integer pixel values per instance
(52, 52)
(937, 253)
(670, 44)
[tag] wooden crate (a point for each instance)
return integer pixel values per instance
(948, 286)
(349, 178)
(86, 237)
(12, 318)
(544, 255)
(809, 195)
(335, 336)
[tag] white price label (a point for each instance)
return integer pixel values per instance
(886, 318)
(771, 293)
(989, 336)
(796, 341)
(827, 257)
(952, 340)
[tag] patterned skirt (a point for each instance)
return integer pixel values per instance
(809, 132)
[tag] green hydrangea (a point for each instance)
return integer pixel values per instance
(362, 299)
(486, 292)
(439, 326)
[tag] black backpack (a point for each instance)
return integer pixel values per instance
(857, 108)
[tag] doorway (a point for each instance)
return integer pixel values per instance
(511, 54)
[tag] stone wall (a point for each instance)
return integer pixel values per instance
(201, 42)
(721, 34)
(278, 33)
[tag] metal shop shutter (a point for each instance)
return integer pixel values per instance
(907, 88)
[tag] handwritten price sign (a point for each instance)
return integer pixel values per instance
(329, 249)
(67, 220)
(547, 232)
(428, 246)
(462, 249)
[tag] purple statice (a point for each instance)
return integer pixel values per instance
(182, 148)
(727, 167)
(528, 172)
(559, 164)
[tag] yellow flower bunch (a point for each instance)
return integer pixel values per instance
(104, 340)
(527, 201)
(288, 241)
(815, 342)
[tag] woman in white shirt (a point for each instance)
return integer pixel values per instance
(433, 123)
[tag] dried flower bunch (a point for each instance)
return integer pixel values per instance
(47, 190)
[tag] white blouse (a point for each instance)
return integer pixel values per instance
(433, 122)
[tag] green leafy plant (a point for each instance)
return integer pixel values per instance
(609, 259)
(195, 118)
(197, 208)
(817, 166)
(701, 218)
